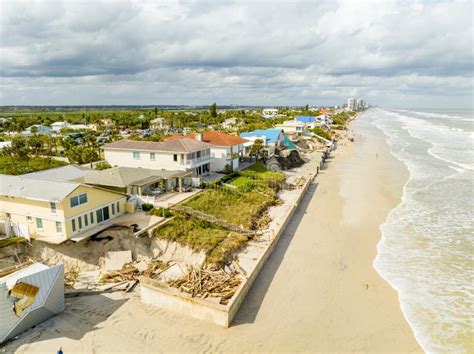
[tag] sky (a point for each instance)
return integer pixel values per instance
(395, 54)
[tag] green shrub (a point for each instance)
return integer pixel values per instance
(323, 133)
(162, 212)
(103, 165)
(147, 206)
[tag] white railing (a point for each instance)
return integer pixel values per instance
(196, 160)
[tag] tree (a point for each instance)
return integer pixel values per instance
(35, 143)
(306, 108)
(213, 110)
(257, 148)
(20, 147)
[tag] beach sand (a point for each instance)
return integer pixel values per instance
(318, 291)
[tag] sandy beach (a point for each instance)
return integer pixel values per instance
(318, 291)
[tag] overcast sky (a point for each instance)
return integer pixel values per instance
(391, 53)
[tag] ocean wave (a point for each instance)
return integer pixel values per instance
(424, 249)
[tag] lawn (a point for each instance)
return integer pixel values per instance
(33, 164)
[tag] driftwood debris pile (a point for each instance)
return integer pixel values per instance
(216, 285)
(132, 272)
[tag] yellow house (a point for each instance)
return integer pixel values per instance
(55, 211)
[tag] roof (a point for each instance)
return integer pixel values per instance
(288, 143)
(37, 189)
(305, 119)
(180, 145)
(271, 135)
(63, 173)
(47, 302)
(215, 138)
(124, 176)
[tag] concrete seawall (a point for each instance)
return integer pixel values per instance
(157, 293)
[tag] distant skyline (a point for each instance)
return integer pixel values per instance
(393, 54)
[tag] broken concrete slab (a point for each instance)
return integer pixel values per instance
(174, 272)
(116, 260)
(141, 266)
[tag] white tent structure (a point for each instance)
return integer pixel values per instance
(30, 296)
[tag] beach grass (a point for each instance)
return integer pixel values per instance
(216, 242)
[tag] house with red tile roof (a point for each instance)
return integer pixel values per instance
(226, 149)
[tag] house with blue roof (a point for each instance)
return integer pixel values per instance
(306, 119)
(271, 138)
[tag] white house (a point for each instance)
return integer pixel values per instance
(40, 130)
(226, 149)
(181, 154)
(269, 113)
(230, 123)
(157, 123)
(57, 126)
(272, 138)
(293, 127)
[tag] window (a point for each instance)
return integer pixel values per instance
(39, 223)
(136, 155)
(175, 157)
(83, 198)
(92, 217)
(103, 214)
(113, 208)
(152, 156)
(29, 218)
(79, 221)
(59, 227)
(73, 222)
(86, 220)
(78, 200)
(52, 205)
(74, 201)
(100, 217)
(118, 207)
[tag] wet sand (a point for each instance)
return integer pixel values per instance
(318, 291)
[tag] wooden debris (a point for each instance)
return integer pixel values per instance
(207, 283)
(130, 272)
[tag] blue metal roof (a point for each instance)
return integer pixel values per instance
(271, 135)
(306, 119)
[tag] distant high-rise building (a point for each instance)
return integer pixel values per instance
(351, 104)
(360, 104)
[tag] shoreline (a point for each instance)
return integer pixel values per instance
(311, 291)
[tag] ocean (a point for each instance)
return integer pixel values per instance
(426, 248)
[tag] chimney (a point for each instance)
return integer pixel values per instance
(199, 136)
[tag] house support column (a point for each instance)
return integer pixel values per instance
(180, 184)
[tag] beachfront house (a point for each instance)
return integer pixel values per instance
(226, 149)
(272, 139)
(182, 154)
(142, 184)
(55, 211)
(293, 127)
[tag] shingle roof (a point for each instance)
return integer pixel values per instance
(38, 189)
(271, 135)
(124, 176)
(63, 173)
(181, 145)
(214, 138)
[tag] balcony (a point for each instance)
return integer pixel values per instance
(196, 161)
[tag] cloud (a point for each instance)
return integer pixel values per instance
(242, 52)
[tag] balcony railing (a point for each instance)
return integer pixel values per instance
(196, 160)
